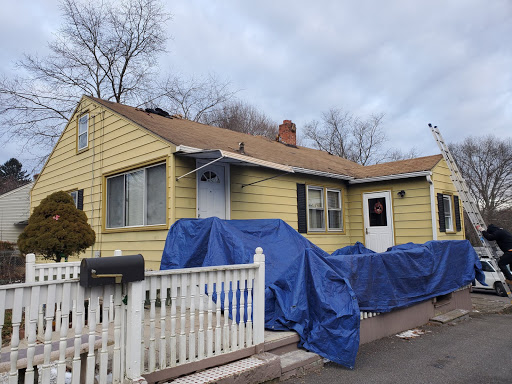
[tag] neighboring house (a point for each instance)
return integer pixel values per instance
(14, 212)
(135, 173)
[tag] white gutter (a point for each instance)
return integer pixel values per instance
(390, 177)
(432, 206)
(320, 173)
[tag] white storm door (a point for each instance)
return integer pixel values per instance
(211, 191)
(378, 221)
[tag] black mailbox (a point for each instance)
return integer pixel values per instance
(111, 270)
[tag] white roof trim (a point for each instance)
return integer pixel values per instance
(391, 177)
(233, 156)
(291, 169)
(320, 173)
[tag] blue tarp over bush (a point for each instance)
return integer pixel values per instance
(406, 274)
(314, 293)
(302, 291)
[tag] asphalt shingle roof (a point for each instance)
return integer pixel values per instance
(189, 133)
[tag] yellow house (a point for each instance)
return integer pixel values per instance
(136, 172)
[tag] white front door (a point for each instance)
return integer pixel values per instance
(211, 191)
(378, 221)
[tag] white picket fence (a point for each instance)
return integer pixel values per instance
(171, 319)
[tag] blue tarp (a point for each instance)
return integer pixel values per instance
(407, 274)
(316, 294)
(303, 292)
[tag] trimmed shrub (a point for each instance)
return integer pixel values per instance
(57, 229)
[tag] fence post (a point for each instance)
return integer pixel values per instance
(134, 315)
(30, 277)
(30, 268)
(259, 298)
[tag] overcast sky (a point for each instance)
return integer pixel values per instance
(445, 62)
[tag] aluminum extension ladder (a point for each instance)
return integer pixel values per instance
(468, 201)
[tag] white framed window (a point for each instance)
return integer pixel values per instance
(448, 215)
(334, 212)
(83, 132)
(316, 212)
(137, 198)
(324, 206)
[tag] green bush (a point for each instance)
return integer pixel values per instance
(57, 229)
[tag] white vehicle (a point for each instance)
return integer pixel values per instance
(492, 278)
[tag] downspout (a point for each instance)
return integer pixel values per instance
(432, 206)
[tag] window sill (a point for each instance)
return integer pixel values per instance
(137, 229)
(331, 232)
(78, 151)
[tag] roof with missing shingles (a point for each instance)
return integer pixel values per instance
(184, 132)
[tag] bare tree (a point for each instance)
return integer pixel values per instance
(194, 99)
(398, 154)
(486, 165)
(104, 49)
(242, 117)
(333, 134)
(345, 135)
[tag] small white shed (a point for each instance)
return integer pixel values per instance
(14, 212)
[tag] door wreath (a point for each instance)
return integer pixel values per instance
(378, 208)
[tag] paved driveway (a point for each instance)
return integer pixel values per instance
(478, 350)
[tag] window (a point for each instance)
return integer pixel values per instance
(324, 205)
(137, 198)
(449, 213)
(448, 219)
(334, 209)
(78, 198)
(74, 195)
(83, 132)
(316, 208)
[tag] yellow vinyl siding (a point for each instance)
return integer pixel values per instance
(185, 188)
(411, 214)
(115, 144)
(277, 199)
(443, 184)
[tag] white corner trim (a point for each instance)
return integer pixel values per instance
(432, 206)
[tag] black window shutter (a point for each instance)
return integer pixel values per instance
(80, 200)
(440, 206)
(301, 208)
(458, 225)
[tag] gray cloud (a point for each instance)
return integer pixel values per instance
(416, 61)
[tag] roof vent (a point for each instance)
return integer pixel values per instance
(241, 148)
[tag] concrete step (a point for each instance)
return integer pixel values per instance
(299, 362)
(279, 343)
(449, 317)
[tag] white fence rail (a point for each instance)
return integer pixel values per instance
(170, 319)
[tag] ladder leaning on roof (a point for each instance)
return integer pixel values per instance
(468, 201)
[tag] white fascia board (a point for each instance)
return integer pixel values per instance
(323, 174)
(235, 156)
(390, 177)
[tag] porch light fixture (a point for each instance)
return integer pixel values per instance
(401, 193)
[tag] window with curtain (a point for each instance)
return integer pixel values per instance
(137, 198)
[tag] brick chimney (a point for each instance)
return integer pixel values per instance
(287, 133)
